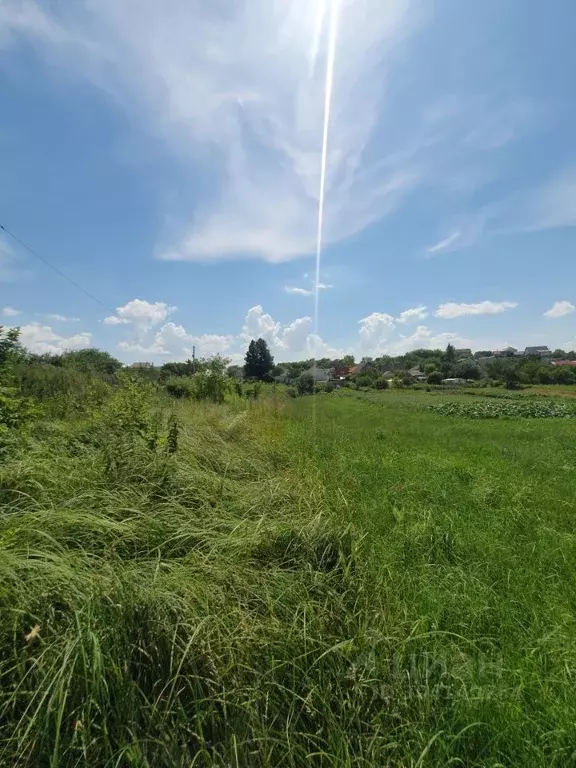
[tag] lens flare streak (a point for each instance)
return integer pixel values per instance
(329, 83)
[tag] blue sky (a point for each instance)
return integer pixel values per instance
(166, 156)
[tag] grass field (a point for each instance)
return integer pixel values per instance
(329, 581)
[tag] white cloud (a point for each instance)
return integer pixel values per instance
(10, 312)
(42, 339)
(560, 309)
(298, 291)
(143, 314)
(293, 341)
(307, 291)
(447, 243)
(424, 338)
(62, 318)
(245, 81)
(451, 310)
(374, 332)
(113, 320)
(416, 313)
(173, 340)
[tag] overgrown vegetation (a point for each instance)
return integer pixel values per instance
(200, 572)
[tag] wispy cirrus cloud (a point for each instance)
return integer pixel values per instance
(452, 309)
(299, 291)
(244, 83)
(56, 318)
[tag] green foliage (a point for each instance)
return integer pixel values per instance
(173, 434)
(506, 409)
(90, 361)
(258, 361)
(187, 368)
(180, 387)
(435, 377)
(381, 383)
(63, 390)
(450, 354)
(305, 384)
(9, 344)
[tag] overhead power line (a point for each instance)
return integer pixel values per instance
(56, 269)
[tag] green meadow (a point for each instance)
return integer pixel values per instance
(346, 579)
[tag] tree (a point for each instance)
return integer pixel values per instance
(9, 344)
(91, 361)
(435, 377)
(258, 361)
(450, 354)
(305, 384)
(348, 360)
(468, 369)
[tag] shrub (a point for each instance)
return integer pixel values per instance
(435, 377)
(305, 384)
(329, 387)
(179, 387)
(381, 383)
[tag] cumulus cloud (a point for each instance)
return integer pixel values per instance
(42, 339)
(141, 313)
(374, 332)
(560, 309)
(424, 338)
(292, 341)
(451, 310)
(416, 313)
(10, 312)
(173, 340)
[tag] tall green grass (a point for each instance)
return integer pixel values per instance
(191, 584)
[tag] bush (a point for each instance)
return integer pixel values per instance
(63, 390)
(435, 377)
(180, 387)
(329, 387)
(381, 383)
(305, 384)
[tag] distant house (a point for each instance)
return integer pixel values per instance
(319, 374)
(142, 365)
(506, 352)
(462, 353)
(361, 367)
(417, 374)
(453, 382)
(569, 363)
(537, 352)
(340, 371)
